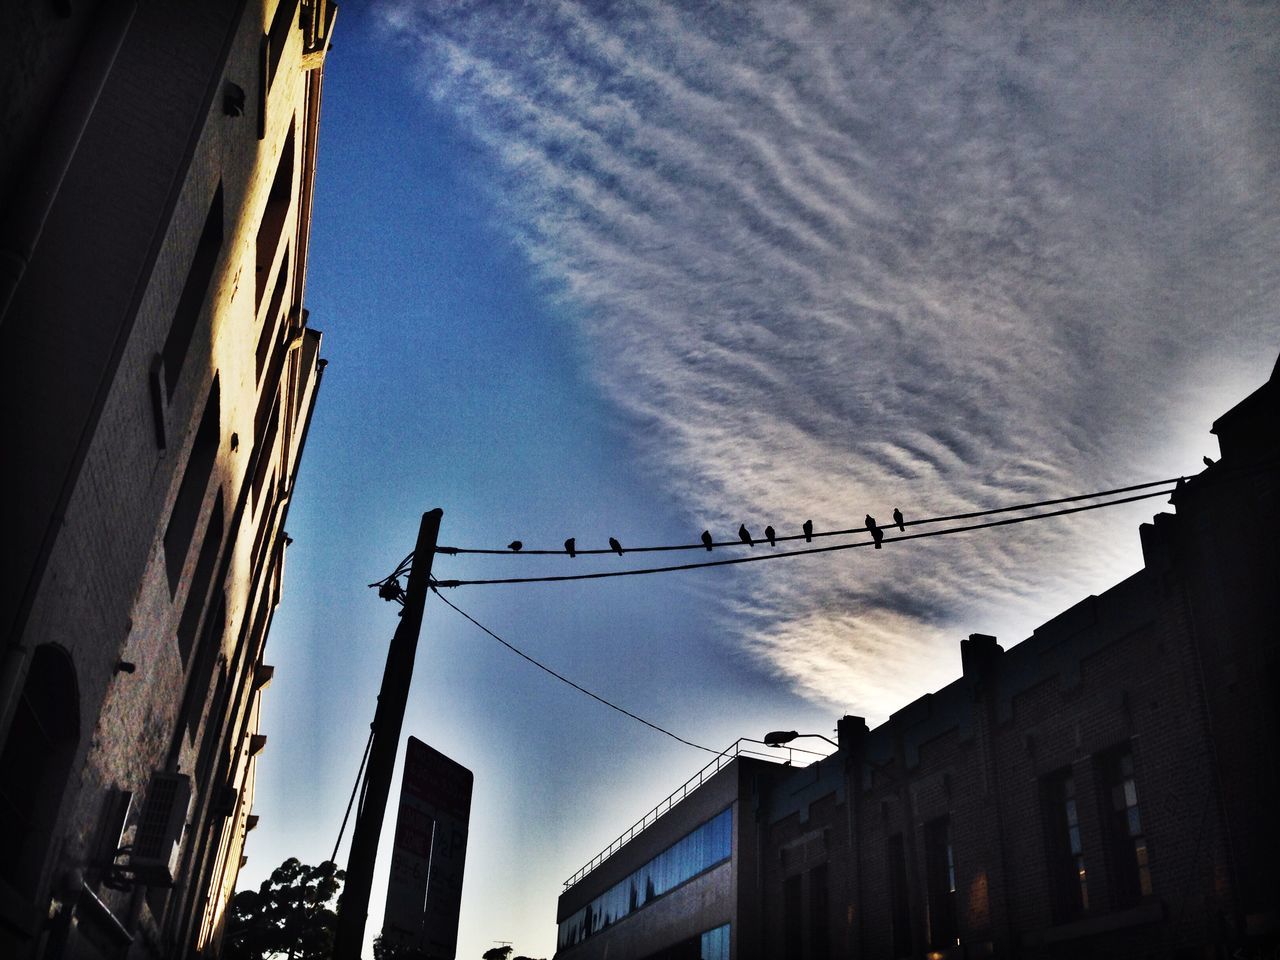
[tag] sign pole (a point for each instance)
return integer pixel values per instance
(353, 908)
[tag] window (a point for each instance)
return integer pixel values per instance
(695, 853)
(899, 905)
(1066, 852)
(200, 580)
(278, 35)
(1128, 855)
(715, 944)
(202, 673)
(195, 481)
(194, 292)
(35, 763)
(940, 880)
(266, 336)
(273, 218)
(819, 913)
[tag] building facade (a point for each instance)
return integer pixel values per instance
(1106, 788)
(677, 886)
(158, 376)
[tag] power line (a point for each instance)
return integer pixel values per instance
(826, 533)
(354, 790)
(564, 679)
(800, 553)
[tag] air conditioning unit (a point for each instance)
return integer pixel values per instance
(158, 841)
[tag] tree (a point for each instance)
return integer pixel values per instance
(497, 953)
(290, 915)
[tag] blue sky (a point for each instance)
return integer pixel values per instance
(634, 270)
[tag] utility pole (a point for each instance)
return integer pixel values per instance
(353, 908)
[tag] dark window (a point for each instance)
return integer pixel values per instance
(200, 580)
(270, 320)
(792, 919)
(899, 905)
(195, 481)
(194, 292)
(202, 673)
(1128, 855)
(694, 854)
(819, 914)
(1065, 849)
(34, 765)
(278, 35)
(940, 880)
(273, 218)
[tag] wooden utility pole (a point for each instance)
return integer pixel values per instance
(353, 908)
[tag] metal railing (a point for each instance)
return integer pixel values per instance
(722, 760)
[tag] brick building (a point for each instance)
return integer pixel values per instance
(158, 375)
(1106, 788)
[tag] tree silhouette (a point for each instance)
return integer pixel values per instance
(291, 914)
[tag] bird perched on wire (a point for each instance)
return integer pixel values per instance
(515, 546)
(706, 540)
(897, 518)
(745, 535)
(876, 533)
(771, 536)
(615, 546)
(808, 531)
(570, 547)
(1208, 461)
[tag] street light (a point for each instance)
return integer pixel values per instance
(778, 737)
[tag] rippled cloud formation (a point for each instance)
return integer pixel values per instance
(830, 258)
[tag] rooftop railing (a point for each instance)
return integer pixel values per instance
(780, 755)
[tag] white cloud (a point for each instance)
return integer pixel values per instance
(834, 258)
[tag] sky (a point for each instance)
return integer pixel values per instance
(643, 269)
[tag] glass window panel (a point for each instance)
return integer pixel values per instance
(715, 944)
(1135, 827)
(1130, 793)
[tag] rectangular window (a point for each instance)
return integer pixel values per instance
(819, 914)
(899, 905)
(201, 677)
(271, 319)
(715, 944)
(1128, 855)
(195, 481)
(200, 581)
(940, 881)
(273, 217)
(695, 853)
(1065, 849)
(194, 292)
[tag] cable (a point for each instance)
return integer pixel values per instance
(800, 553)
(827, 533)
(354, 790)
(561, 677)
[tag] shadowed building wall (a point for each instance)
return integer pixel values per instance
(1106, 788)
(158, 373)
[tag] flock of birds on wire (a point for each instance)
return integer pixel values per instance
(744, 535)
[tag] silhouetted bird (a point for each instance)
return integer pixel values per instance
(615, 546)
(1208, 461)
(808, 531)
(570, 547)
(706, 540)
(514, 546)
(768, 532)
(745, 535)
(876, 533)
(897, 518)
